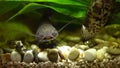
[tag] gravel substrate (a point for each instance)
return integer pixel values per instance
(113, 63)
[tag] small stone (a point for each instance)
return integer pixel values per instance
(6, 58)
(83, 47)
(114, 50)
(74, 54)
(43, 56)
(19, 46)
(90, 54)
(52, 55)
(81, 56)
(36, 50)
(101, 53)
(46, 65)
(65, 50)
(15, 56)
(35, 47)
(28, 56)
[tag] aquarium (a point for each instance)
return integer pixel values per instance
(59, 33)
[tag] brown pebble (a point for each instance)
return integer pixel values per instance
(5, 58)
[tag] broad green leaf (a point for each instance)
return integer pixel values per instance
(72, 10)
(28, 8)
(6, 6)
(65, 2)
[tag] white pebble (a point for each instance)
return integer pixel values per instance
(15, 56)
(65, 50)
(28, 56)
(90, 54)
(43, 56)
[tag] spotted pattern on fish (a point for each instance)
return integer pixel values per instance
(97, 16)
(46, 32)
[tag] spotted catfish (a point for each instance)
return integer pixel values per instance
(46, 32)
(97, 16)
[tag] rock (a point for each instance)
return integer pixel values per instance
(6, 58)
(114, 50)
(36, 51)
(113, 30)
(81, 56)
(20, 47)
(101, 53)
(90, 54)
(47, 65)
(15, 56)
(52, 55)
(74, 54)
(83, 47)
(73, 38)
(35, 47)
(43, 56)
(28, 56)
(65, 50)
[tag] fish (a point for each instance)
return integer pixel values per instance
(47, 32)
(97, 16)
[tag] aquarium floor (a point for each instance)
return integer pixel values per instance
(113, 63)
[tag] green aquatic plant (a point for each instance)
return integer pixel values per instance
(12, 31)
(12, 10)
(64, 11)
(71, 8)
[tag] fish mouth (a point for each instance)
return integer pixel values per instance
(47, 38)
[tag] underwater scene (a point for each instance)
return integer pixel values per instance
(60, 34)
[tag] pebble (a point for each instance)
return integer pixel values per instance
(114, 50)
(28, 56)
(5, 58)
(35, 47)
(90, 54)
(52, 55)
(81, 56)
(43, 56)
(101, 53)
(83, 47)
(74, 54)
(46, 65)
(65, 50)
(15, 56)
